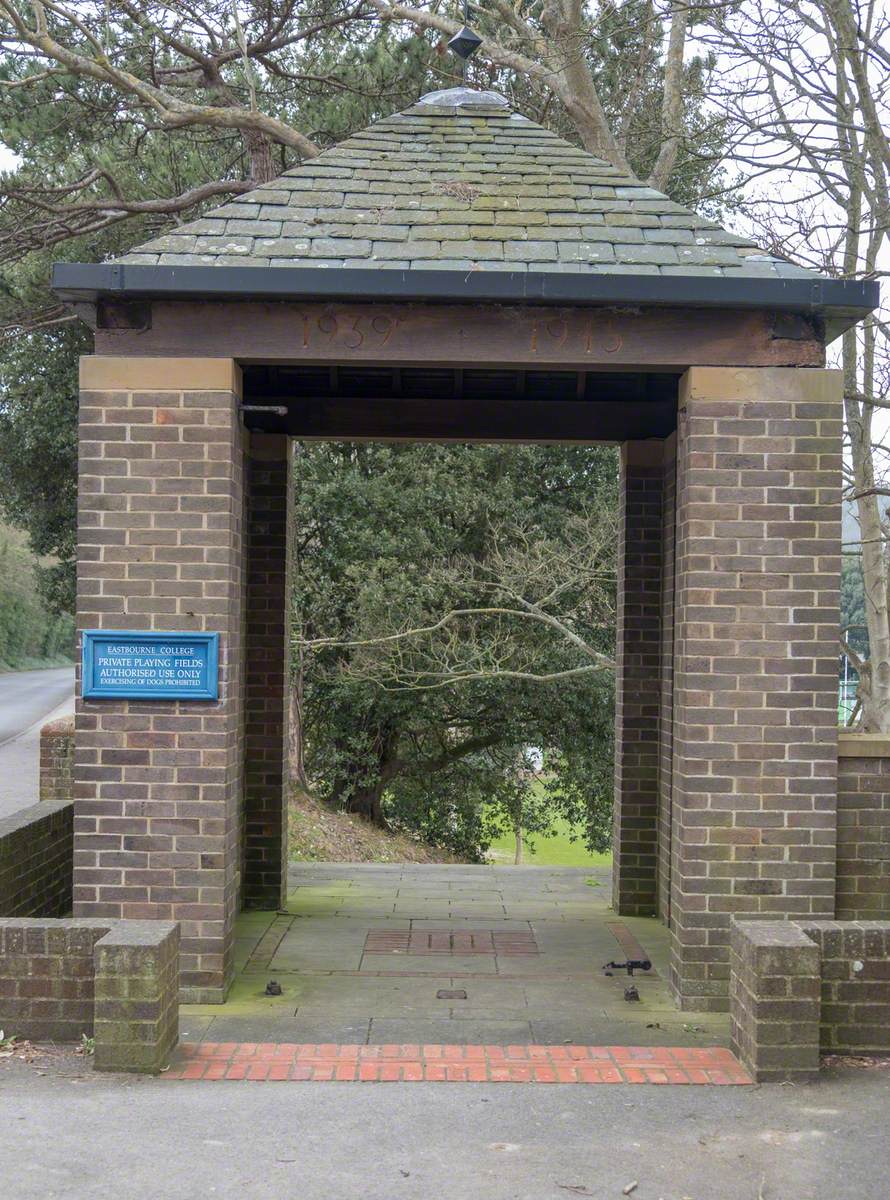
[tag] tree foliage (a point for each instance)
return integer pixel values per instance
(38, 450)
(30, 636)
(378, 531)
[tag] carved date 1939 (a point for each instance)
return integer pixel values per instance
(349, 329)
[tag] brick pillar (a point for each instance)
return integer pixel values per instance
(638, 642)
(157, 784)
(267, 641)
(56, 759)
(775, 1008)
(136, 998)
(754, 792)
(666, 700)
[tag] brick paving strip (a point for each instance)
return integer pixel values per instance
(630, 945)
(268, 1061)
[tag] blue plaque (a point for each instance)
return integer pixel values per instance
(132, 664)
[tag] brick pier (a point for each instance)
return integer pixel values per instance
(158, 786)
(756, 601)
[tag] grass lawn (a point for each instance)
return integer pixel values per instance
(556, 851)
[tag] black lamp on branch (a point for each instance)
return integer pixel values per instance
(465, 42)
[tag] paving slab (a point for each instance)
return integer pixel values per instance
(431, 964)
(334, 991)
(400, 1030)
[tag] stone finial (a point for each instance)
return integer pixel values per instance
(463, 97)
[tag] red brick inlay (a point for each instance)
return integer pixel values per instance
(503, 943)
(457, 1064)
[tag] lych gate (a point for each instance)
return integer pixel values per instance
(458, 272)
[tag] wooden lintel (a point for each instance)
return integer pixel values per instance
(467, 336)
(466, 419)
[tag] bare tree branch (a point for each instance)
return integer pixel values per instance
(46, 222)
(171, 110)
(672, 101)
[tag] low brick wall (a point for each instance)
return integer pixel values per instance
(36, 857)
(855, 1015)
(798, 988)
(774, 999)
(116, 981)
(56, 759)
(863, 827)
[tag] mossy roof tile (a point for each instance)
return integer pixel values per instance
(459, 185)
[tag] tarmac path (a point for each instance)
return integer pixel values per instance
(27, 700)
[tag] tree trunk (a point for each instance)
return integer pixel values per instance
(517, 833)
(296, 744)
(874, 674)
(573, 83)
(672, 102)
(368, 803)
(260, 152)
(873, 692)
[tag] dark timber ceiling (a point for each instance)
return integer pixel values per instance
(430, 404)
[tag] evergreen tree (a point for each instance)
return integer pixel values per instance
(379, 530)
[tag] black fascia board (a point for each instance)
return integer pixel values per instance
(850, 299)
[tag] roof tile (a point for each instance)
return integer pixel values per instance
(456, 186)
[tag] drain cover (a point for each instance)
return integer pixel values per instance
(451, 994)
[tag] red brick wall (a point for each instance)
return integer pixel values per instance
(158, 785)
(855, 994)
(36, 851)
(756, 626)
(118, 981)
(863, 827)
(47, 978)
(638, 652)
(798, 987)
(265, 780)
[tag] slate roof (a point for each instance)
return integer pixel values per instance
(460, 182)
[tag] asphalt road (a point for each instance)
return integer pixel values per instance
(26, 696)
(27, 700)
(76, 1135)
